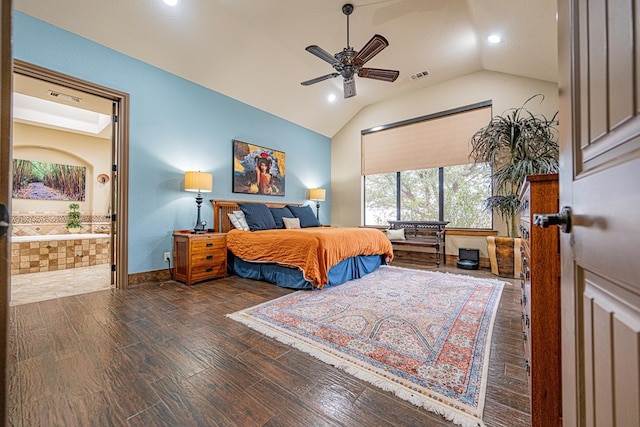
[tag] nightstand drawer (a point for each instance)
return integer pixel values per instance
(208, 257)
(204, 272)
(204, 245)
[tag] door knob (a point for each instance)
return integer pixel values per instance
(562, 219)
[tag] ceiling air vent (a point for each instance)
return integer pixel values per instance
(419, 75)
(64, 96)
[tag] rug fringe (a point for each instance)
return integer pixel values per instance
(449, 414)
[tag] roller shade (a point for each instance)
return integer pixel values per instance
(427, 143)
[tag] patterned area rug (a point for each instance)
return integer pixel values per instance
(422, 335)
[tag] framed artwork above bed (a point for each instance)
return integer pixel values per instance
(258, 170)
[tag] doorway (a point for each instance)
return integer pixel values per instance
(100, 252)
(62, 143)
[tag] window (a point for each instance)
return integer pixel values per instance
(420, 170)
(466, 187)
(381, 202)
(454, 193)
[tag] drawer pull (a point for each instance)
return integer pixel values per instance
(209, 256)
(209, 270)
(209, 244)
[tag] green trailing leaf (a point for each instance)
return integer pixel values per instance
(516, 144)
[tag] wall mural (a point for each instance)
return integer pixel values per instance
(48, 181)
(257, 170)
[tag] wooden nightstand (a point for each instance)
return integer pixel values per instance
(199, 257)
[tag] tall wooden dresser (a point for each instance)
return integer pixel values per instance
(540, 282)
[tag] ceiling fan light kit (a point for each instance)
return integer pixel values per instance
(348, 63)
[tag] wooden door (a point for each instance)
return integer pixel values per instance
(5, 180)
(599, 58)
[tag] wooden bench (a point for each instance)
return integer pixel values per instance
(430, 234)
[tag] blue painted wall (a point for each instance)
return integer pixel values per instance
(176, 125)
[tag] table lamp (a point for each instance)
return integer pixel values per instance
(317, 195)
(201, 182)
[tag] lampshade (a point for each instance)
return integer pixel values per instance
(317, 194)
(201, 182)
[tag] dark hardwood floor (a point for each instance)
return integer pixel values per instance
(164, 354)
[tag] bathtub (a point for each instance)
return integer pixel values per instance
(40, 253)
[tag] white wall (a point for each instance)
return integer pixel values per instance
(505, 90)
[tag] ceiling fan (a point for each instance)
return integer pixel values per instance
(349, 62)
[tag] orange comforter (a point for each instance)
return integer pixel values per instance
(313, 250)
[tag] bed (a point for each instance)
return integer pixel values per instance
(310, 257)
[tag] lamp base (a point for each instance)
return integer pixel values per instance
(200, 225)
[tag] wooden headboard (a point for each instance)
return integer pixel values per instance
(221, 208)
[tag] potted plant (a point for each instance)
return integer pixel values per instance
(73, 218)
(516, 144)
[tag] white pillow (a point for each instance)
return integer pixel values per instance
(234, 221)
(242, 220)
(396, 234)
(291, 223)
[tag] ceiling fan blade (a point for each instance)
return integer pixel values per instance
(379, 74)
(319, 79)
(349, 88)
(371, 49)
(322, 54)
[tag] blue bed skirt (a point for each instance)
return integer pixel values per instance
(348, 269)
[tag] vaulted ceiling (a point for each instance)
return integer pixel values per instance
(254, 50)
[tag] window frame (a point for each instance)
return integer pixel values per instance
(441, 195)
(441, 203)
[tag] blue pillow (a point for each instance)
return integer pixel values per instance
(258, 216)
(278, 214)
(305, 215)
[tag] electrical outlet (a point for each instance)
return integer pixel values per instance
(167, 256)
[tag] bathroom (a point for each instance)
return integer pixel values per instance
(70, 131)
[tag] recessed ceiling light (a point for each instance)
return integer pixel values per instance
(494, 38)
(331, 97)
(171, 2)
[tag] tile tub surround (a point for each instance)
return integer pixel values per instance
(40, 223)
(36, 254)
